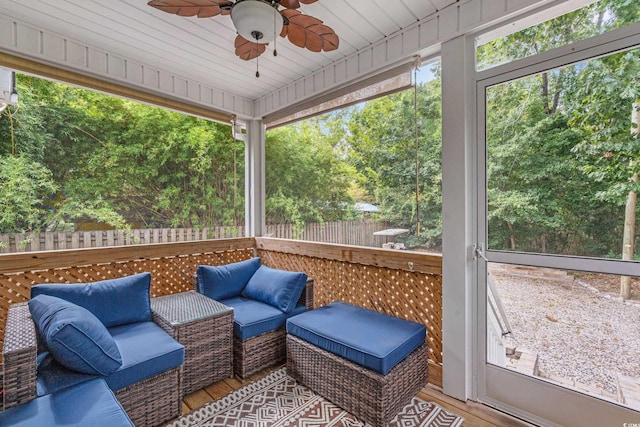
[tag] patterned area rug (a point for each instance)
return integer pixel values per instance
(278, 400)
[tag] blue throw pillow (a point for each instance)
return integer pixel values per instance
(115, 302)
(74, 336)
(226, 281)
(278, 288)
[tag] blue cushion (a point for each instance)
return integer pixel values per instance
(74, 336)
(88, 404)
(371, 339)
(146, 351)
(278, 288)
(225, 281)
(114, 302)
(52, 376)
(251, 318)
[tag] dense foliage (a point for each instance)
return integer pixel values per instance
(120, 162)
(103, 159)
(306, 180)
(107, 160)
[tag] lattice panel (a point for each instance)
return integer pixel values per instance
(410, 295)
(169, 275)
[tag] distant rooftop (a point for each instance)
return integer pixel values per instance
(366, 207)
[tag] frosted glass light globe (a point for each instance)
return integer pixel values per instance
(254, 20)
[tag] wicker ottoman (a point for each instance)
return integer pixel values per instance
(374, 395)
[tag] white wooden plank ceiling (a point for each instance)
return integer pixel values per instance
(202, 49)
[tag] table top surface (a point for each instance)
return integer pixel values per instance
(187, 307)
(391, 232)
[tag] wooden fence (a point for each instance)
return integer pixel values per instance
(358, 233)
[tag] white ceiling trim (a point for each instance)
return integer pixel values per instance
(27, 41)
(424, 37)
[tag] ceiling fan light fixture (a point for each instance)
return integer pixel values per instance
(257, 20)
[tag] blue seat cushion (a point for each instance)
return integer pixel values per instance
(251, 318)
(278, 288)
(225, 281)
(91, 403)
(74, 336)
(368, 338)
(52, 376)
(146, 351)
(115, 302)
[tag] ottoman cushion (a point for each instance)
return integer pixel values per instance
(371, 339)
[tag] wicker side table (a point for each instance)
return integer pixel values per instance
(205, 328)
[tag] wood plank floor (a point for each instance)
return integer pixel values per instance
(475, 414)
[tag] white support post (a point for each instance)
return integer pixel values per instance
(254, 179)
(457, 230)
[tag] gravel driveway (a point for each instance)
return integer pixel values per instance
(578, 332)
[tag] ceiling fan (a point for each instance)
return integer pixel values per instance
(259, 21)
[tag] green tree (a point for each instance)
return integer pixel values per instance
(25, 188)
(607, 103)
(163, 168)
(114, 159)
(383, 150)
(306, 179)
(48, 128)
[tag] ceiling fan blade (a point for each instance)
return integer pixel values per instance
(295, 4)
(199, 8)
(308, 32)
(248, 50)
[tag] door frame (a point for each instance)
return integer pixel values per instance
(536, 400)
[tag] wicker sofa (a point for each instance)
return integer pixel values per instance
(262, 299)
(146, 381)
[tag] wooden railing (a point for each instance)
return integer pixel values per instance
(402, 283)
(340, 232)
